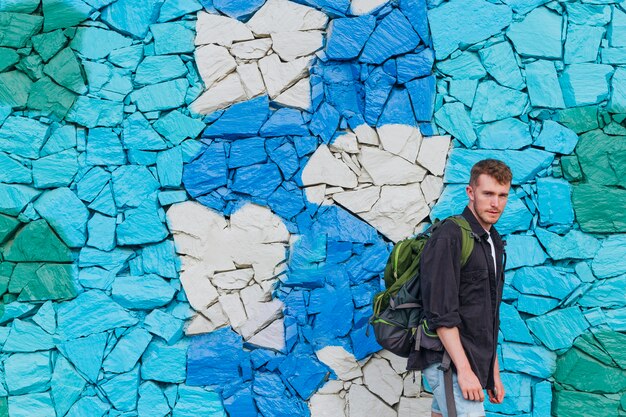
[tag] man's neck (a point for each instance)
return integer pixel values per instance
(486, 226)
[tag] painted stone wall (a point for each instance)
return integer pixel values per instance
(198, 198)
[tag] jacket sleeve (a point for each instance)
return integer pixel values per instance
(440, 270)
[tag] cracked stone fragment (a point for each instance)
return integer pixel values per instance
(324, 168)
(221, 30)
(285, 16)
(363, 403)
(389, 169)
(221, 95)
(251, 79)
(214, 63)
(292, 45)
(400, 139)
(343, 364)
(298, 96)
(254, 49)
(279, 76)
(433, 153)
(358, 201)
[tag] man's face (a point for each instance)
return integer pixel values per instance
(487, 199)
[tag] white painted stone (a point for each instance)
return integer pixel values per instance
(360, 7)
(362, 402)
(343, 363)
(345, 143)
(260, 312)
(433, 153)
(388, 169)
(259, 224)
(271, 337)
(415, 407)
(354, 167)
(358, 201)
(264, 259)
(323, 168)
(298, 96)
(292, 45)
(327, 406)
(233, 280)
(214, 63)
(366, 135)
(315, 193)
(398, 363)
(194, 219)
(199, 325)
(432, 188)
(382, 380)
(332, 386)
(216, 316)
(401, 140)
(221, 95)
(365, 178)
(198, 288)
(279, 76)
(286, 16)
(254, 49)
(221, 30)
(412, 388)
(232, 307)
(398, 211)
(251, 79)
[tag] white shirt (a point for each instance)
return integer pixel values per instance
(493, 253)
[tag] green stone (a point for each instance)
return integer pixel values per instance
(571, 168)
(584, 373)
(65, 69)
(588, 344)
(14, 88)
(36, 242)
(4, 285)
(50, 98)
(579, 119)
(48, 44)
(64, 13)
(599, 209)
(615, 129)
(8, 58)
(22, 275)
(617, 161)
(4, 406)
(7, 227)
(593, 150)
(614, 343)
(32, 66)
(571, 403)
(18, 28)
(53, 282)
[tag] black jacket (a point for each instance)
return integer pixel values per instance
(467, 298)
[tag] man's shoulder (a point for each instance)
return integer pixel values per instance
(447, 229)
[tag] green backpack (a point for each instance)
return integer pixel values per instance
(398, 310)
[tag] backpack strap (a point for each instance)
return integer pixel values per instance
(467, 238)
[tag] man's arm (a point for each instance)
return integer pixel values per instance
(468, 381)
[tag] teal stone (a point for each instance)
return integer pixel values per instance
(96, 43)
(558, 329)
(613, 56)
(152, 402)
(14, 88)
(14, 198)
(51, 282)
(46, 317)
(583, 43)
(454, 119)
(494, 102)
(104, 148)
(504, 134)
(144, 292)
(65, 69)
(172, 38)
(500, 62)
(175, 127)
(167, 198)
(127, 57)
(22, 274)
(132, 185)
(617, 29)
(27, 373)
(132, 18)
(162, 96)
(93, 112)
(543, 24)
(50, 98)
(96, 278)
(64, 13)
(22, 136)
(18, 28)
(535, 305)
(156, 69)
(463, 90)
(194, 401)
(464, 66)
(532, 360)
(146, 158)
(66, 385)
(543, 85)
(556, 138)
(8, 58)
(32, 66)
(617, 103)
(101, 232)
(92, 184)
(573, 245)
(36, 242)
(164, 363)
(56, 170)
(161, 259)
(584, 84)
(524, 251)
(588, 14)
(191, 149)
(457, 23)
(8, 225)
(164, 325)
(13, 172)
(512, 325)
(122, 390)
(62, 138)
(19, 6)
(177, 8)
(108, 260)
(139, 134)
(583, 270)
(610, 260)
(31, 405)
(170, 167)
(117, 84)
(141, 226)
(48, 44)
(554, 202)
(534, 281)
(127, 351)
(5, 111)
(66, 214)
(27, 337)
(104, 203)
(88, 406)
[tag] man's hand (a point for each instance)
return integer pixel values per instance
(470, 386)
(496, 395)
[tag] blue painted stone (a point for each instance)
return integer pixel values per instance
(305, 145)
(610, 260)
(377, 88)
(504, 134)
(56, 170)
(464, 65)
(582, 43)
(66, 385)
(532, 360)
(193, 401)
(163, 96)
(458, 23)
(191, 150)
(286, 157)
(66, 214)
(161, 259)
(524, 164)
(583, 270)
(574, 245)
(27, 337)
(535, 305)
(422, 92)
(524, 251)
(30, 405)
(494, 102)
(605, 293)
(416, 12)
(304, 372)
(104, 203)
(89, 313)
(127, 351)
(164, 325)
(152, 402)
(558, 329)
(86, 354)
(27, 373)
(12, 171)
(393, 35)
(258, 180)
(46, 317)
(206, 173)
(178, 8)
(121, 390)
(617, 29)
(22, 136)
(172, 38)
(237, 9)
(543, 24)
(398, 109)
(287, 203)
(15, 310)
(347, 36)
(142, 292)
(556, 138)
(543, 85)
(244, 152)
(170, 167)
(101, 231)
(532, 280)
(454, 118)
(284, 122)
(554, 202)
(542, 397)
(104, 148)
(112, 260)
(132, 185)
(499, 61)
(240, 120)
(164, 363)
(131, 18)
(93, 112)
(415, 65)
(141, 226)
(138, 134)
(617, 104)
(518, 397)
(241, 403)
(175, 127)
(88, 406)
(584, 84)
(127, 57)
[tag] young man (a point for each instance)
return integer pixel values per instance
(461, 304)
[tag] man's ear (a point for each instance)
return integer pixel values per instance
(470, 192)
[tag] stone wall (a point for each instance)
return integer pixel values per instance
(198, 198)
